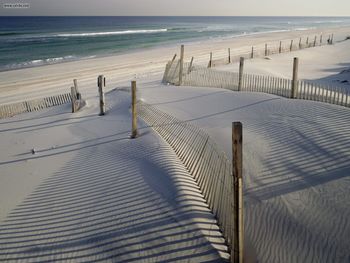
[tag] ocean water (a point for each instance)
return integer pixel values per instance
(35, 41)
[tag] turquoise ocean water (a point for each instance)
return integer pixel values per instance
(35, 41)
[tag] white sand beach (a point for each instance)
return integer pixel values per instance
(89, 193)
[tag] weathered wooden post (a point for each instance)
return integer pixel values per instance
(237, 167)
(293, 94)
(229, 55)
(266, 50)
(291, 45)
(332, 39)
(315, 41)
(167, 69)
(73, 95)
(182, 55)
(210, 60)
(101, 82)
(321, 39)
(299, 43)
(240, 74)
(252, 54)
(307, 41)
(280, 49)
(190, 67)
(134, 132)
(174, 57)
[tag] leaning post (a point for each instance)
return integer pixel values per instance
(134, 132)
(252, 54)
(190, 67)
(101, 82)
(295, 78)
(265, 50)
(315, 40)
(181, 64)
(291, 46)
(237, 167)
(240, 74)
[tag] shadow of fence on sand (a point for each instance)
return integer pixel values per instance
(130, 200)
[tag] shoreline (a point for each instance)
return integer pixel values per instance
(120, 69)
(171, 44)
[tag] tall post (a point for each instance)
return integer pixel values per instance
(229, 55)
(321, 39)
(332, 39)
(315, 41)
(78, 94)
(295, 78)
(240, 75)
(101, 82)
(252, 54)
(266, 50)
(291, 45)
(237, 165)
(210, 60)
(190, 67)
(181, 64)
(75, 82)
(72, 91)
(299, 43)
(280, 49)
(134, 132)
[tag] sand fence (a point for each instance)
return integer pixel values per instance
(191, 74)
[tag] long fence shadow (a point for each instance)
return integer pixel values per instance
(122, 201)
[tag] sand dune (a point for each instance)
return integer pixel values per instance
(296, 167)
(90, 193)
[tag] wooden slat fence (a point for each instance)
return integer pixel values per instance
(13, 109)
(208, 165)
(222, 57)
(199, 76)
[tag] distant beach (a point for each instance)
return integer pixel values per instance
(36, 41)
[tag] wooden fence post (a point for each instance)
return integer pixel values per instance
(291, 45)
(101, 82)
(252, 54)
(280, 49)
(229, 55)
(75, 82)
(167, 69)
(307, 41)
(134, 132)
(181, 64)
(265, 50)
(321, 40)
(240, 74)
(315, 41)
(332, 39)
(299, 43)
(210, 60)
(293, 94)
(190, 67)
(73, 95)
(237, 165)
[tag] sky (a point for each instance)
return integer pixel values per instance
(180, 7)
